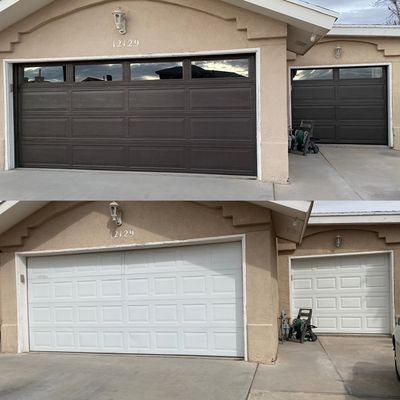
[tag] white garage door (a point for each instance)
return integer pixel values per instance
(180, 300)
(347, 294)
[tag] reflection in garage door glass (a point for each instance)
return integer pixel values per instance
(238, 68)
(44, 74)
(361, 73)
(98, 72)
(313, 74)
(156, 71)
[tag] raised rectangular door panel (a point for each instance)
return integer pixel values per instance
(45, 100)
(38, 128)
(97, 100)
(97, 127)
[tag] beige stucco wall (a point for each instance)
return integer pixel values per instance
(360, 51)
(321, 241)
(61, 226)
(85, 28)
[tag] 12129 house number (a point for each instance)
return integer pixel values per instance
(123, 233)
(120, 43)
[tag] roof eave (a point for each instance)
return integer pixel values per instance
(13, 212)
(364, 31)
(12, 11)
(296, 13)
(365, 219)
(307, 23)
(290, 218)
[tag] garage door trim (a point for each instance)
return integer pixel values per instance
(389, 81)
(21, 261)
(10, 87)
(390, 253)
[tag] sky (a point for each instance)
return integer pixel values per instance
(355, 11)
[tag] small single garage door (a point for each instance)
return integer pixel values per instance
(181, 300)
(347, 294)
(195, 115)
(347, 105)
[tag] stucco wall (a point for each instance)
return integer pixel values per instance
(85, 28)
(61, 226)
(360, 51)
(321, 241)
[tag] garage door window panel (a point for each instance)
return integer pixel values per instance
(98, 72)
(361, 73)
(313, 74)
(220, 68)
(156, 71)
(44, 74)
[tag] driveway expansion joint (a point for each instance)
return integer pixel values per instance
(349, 183)
(335, 367)
(252, 381)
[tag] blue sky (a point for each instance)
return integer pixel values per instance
(355, 11)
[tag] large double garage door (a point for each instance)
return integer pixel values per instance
(195, 115)
(179, 300)
(348, 294)
(348, 105)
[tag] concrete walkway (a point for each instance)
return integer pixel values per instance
(343, 173)
(335, 368)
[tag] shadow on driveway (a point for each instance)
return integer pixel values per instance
(365, 364)
(373, 379)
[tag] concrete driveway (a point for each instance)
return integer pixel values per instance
(46, 184)
(336, 173)
(335, 368)
(343, 173)
(37, 376)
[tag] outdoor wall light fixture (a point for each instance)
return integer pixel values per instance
(116, 213)
(313, 38)
(339, 240)
(338, 52)
(120, 20)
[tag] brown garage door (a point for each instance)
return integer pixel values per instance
(347, 105)
(193, 115)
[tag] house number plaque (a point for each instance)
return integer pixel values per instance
(121, 43)
(123, 233)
